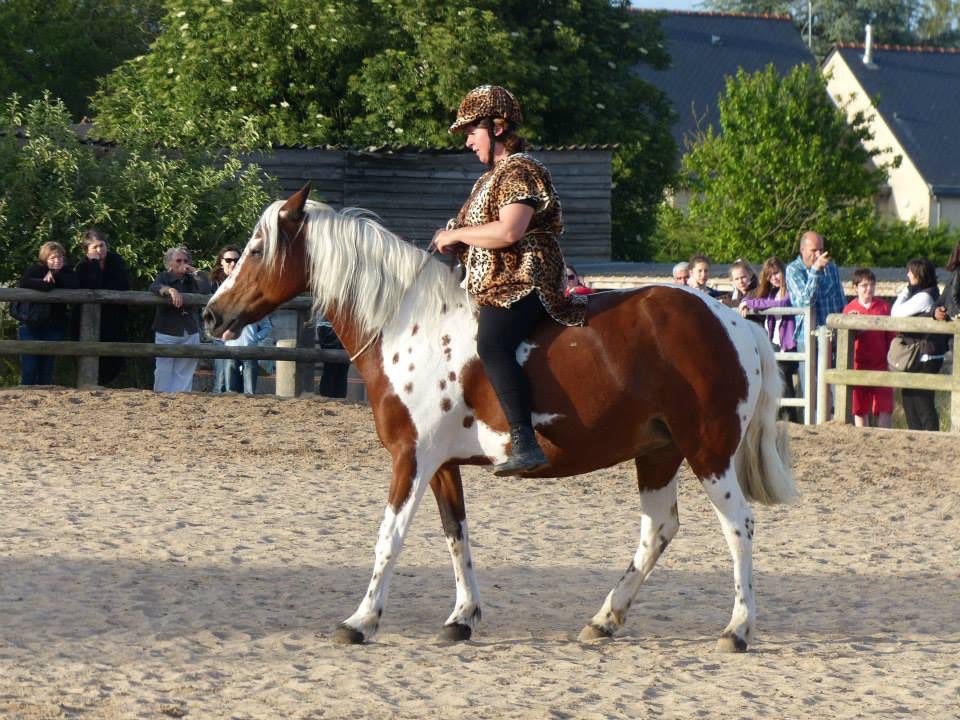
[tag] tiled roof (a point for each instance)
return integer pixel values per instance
(707, 47)
(917, 92)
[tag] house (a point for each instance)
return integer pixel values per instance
(708, 47)
(910, 97)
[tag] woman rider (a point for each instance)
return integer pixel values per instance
(506, 236)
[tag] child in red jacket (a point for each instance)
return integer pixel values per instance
(870, 353)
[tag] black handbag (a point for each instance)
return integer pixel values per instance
(30, 314)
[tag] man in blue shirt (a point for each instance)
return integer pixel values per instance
(814, 281)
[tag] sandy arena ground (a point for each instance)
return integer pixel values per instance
(191, 555)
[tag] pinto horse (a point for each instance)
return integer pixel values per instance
(657, 375)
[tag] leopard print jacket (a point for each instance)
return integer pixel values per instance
(535, 262)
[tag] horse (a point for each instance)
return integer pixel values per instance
(657, 375)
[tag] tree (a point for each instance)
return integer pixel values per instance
(52, 187)
(787, 160)
(63, 46)
(252, 73)
(894, 22)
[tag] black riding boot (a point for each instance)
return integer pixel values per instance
(525, 454)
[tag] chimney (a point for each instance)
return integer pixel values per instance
(868, 46)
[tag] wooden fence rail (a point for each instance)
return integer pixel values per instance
(298, 361)
(845, 376)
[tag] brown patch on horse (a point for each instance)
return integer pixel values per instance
(443, 384)
(396, 358)
(445, 404)
(452, 376)
(445, 340)
(414, 330)
(408, 388)
(468, 421)
(669, 403)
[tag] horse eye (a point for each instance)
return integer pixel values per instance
(256, 252)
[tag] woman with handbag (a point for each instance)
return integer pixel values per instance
(44, 321)
(919, 299)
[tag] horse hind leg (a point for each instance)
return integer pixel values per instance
(736, 519)
(448, 489)
(657, 481)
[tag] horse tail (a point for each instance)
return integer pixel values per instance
(763, 458)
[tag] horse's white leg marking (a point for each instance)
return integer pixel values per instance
(393, 530)
(658, 526)
(466, 611)
(736, 519)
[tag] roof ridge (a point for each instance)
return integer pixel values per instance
(900, 48)
(717, 13)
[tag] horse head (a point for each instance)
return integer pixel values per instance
(270, 272)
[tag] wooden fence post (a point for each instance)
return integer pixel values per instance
(955, 393)
(843, 401)
(88, 368)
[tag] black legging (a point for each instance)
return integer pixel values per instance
(500, 332)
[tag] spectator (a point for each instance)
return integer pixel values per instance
(250, 336)
(574, 284)
(226, 261)
(177, 324)
(918, 299)
(813, 281)
(103, 269)
(681, 273)
(333, 379)
(870, 353)
(772, 292)
(744, 282)
(700, 274)
(948, 306)
(49, 320)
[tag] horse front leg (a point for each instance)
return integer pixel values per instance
(406, 491)
(448, 489)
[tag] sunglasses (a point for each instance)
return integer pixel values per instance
(571, 277)
(231, 260)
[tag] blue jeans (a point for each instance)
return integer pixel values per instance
(220, 371)
(242, 376)
(38, 369)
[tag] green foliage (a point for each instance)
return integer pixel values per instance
(895, 22)
(63, 46)
(787, 161)
(52, 187)
(251, 73)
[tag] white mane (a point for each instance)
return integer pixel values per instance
(357, 263)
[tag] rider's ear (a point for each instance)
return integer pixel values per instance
(292, 209)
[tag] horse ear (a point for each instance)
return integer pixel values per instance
(292, 209)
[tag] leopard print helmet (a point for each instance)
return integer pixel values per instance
(487, 101)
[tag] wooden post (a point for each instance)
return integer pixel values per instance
(955, 393)
(306, 338)
(844, 399)
(286, 372)
(88, 368)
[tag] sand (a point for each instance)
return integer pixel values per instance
(191, 556)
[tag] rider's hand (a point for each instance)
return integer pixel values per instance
(444, 241)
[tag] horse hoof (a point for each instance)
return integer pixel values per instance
(592, 632)
(347, 636)
(456, 632)
(730, 642)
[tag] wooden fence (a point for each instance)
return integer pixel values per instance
(297, 356)
(844, 376)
